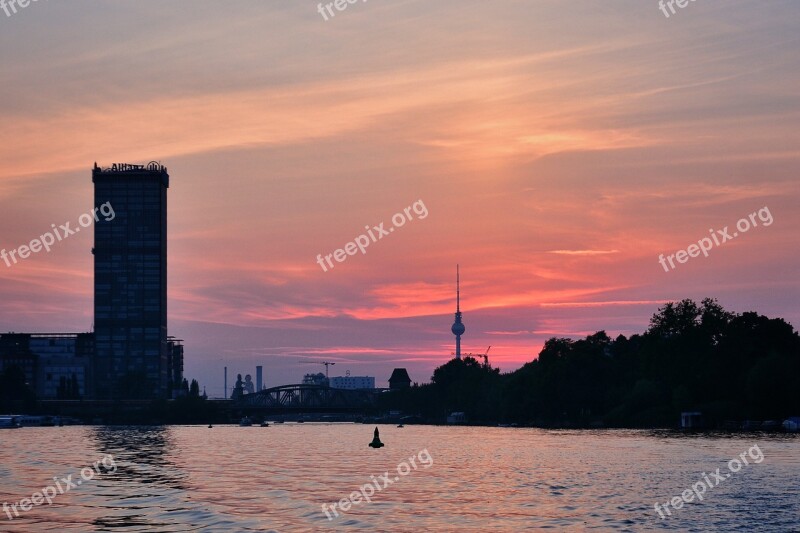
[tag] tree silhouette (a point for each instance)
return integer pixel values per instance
(194, 389)
(692, 357)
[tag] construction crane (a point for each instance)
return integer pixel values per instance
(486, 357)
(326, 363)
(475, 356)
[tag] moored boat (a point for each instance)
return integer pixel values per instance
(792, 424)
(9, 422)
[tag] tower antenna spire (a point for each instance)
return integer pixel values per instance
(458, 326)
(458, 289)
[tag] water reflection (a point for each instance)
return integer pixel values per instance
(143, 454)
(146, 479)
(228, 478)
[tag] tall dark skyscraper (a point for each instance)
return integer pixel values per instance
(130, 283)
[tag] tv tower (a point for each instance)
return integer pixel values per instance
(458, 328)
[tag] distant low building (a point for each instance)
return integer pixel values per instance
(56, 365)
(175, 366)
(315, 379)
(352, 382)
(399, 379)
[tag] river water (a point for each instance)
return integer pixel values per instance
(230, 478)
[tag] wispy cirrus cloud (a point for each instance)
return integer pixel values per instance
(604, 304)
(583, 252)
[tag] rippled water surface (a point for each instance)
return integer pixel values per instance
(481, 479)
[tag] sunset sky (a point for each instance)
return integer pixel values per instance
(559, 148)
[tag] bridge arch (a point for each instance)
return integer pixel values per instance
(305, 397)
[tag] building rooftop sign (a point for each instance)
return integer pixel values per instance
(152, 166)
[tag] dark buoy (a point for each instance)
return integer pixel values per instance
(376, 440)
(210, 426)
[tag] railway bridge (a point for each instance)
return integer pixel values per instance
(305, 398)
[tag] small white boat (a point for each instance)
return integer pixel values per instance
(9, 422)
